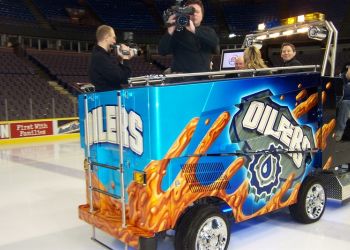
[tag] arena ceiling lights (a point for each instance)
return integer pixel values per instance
(314, 24)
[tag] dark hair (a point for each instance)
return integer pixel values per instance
(288, 44)
(198, 2)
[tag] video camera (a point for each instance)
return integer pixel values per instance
(136, 51)
(128, 38)
(182, 15)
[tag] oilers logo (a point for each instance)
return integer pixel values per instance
(274, 144)
(264, 173)
(103, 125)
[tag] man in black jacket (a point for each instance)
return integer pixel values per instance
(105, 71)
(191, 47)
(288, 53)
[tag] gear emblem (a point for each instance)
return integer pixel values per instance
(264, 171)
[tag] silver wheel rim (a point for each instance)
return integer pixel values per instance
(315, 201)
(212, 235)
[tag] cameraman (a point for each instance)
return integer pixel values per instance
(191, 47)
(105, 71)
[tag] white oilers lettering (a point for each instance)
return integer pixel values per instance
(262, 118)
(4, 131)
(276, 145)
(103, 124)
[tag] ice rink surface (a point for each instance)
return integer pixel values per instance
(41, 186)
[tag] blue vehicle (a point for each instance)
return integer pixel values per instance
(191, 155)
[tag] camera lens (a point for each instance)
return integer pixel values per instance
(182, 20)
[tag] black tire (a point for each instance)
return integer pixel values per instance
(187, 238)
(311, 201)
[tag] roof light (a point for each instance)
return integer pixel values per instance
(301, 19)
(288, 32)
(274, 35)
(232, 35)
(310, 17)
(261, 26)
(315, 16)
(262, 37)
(291, 20)
(303, 30)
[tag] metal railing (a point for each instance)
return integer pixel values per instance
(161, 79)
(19, 109)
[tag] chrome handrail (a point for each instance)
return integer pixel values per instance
(154, 79)
(120, 127)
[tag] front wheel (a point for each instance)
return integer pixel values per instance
(311, 202)
(204, 228)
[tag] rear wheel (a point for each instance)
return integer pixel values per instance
(203, 228)
(311, 202)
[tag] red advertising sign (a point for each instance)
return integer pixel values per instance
(30, 129)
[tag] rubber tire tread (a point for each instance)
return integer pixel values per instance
(187, 230)
(298, 210)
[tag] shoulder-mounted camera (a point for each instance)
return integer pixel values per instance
(182, 15)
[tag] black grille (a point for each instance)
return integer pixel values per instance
(203, 177)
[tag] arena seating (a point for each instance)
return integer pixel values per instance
(245, 17)
(26, 94)
(163, 62)
(140, 67)
(10, 11)
(71, 67)
(67, 68)
(54, 10)
(124, 14)
(11, 64)
(30, 97)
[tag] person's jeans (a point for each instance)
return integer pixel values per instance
(342, 118)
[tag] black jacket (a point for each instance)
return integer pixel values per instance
(191, 52)
(105, 72)
(293, 62)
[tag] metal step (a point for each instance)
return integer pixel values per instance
(95, 165)
(337, 183)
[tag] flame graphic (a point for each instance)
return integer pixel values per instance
(322, 134)
(328, 164)
(301, 95)
(150, 209)
(304, 107)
